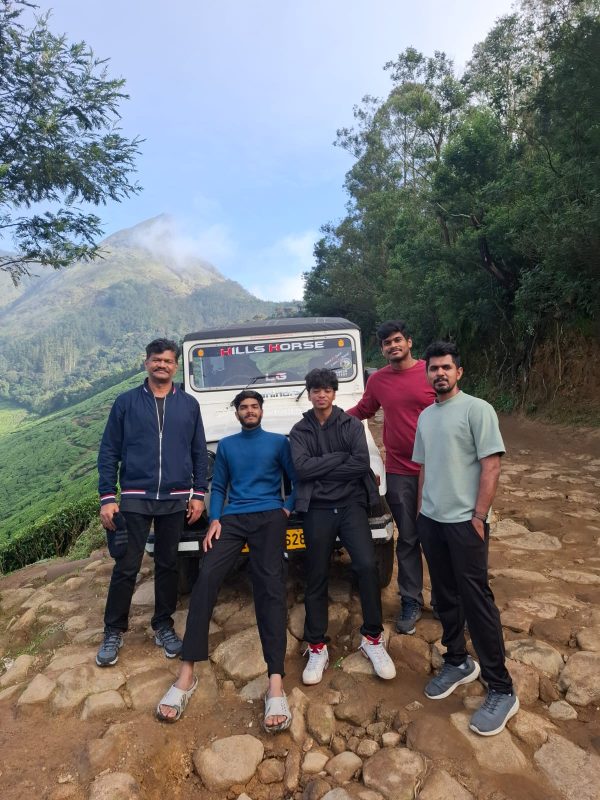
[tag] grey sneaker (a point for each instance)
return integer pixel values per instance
(169, 641)
(493, 714)
(409, 615)
(109, 650)
(449, 677)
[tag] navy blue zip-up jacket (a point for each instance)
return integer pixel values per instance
(153, 466)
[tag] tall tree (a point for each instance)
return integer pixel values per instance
(60, 144)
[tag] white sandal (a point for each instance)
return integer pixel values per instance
(277, 707)
(176, 698)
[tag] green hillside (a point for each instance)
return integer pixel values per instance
(49, 477)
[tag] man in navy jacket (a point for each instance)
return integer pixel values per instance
(154, 440)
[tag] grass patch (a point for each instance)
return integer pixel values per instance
(90, 539)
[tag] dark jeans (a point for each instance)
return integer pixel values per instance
(167, 530)
(265, 533)
(351, 524)
(458, 559)
(402, 500)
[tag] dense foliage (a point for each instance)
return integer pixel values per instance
(49, 479)
(60, 144)
(474, 202)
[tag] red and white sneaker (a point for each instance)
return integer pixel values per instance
(318, 661)
(375, 651)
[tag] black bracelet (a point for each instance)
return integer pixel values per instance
(480, 517)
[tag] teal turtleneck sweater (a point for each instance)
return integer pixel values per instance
(250, 464)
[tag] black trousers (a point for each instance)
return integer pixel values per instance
(167, 530)
(458, 564)
(265, 533)
(351, 524)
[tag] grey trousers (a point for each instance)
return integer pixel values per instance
(402, 500)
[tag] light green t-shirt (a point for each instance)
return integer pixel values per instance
(452, 437)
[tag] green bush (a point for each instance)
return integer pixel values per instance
(51, 536)
(90, 539)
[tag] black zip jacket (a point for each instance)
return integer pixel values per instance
(331, 461)
(154, 465)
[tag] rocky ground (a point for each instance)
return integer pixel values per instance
(71, 730)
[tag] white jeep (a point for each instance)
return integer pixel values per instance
(273, 357)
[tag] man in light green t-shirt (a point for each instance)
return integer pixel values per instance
(459, 447)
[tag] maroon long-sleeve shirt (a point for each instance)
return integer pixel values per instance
(402, 394)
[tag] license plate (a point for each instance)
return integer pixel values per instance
(294, 540)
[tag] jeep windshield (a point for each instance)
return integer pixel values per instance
(270, 362)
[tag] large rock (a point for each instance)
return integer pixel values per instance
(572, 770)
(507, 529)
(291, 776)
(436, 738)
(296, 621)
(497, 753)
(537, 654)
(357, 709)
(560, 709)
(412, 651)
(241, 655)
(526, 681)
(38, 691)
(13, 598)
(271, 770)
(75, 685)
(442, 786)
(589, 639)
(320, 722)
(144, 594)
(97, 705)
(68, 658)
(531, 728)
(255, 689)
(114, 786)
(516, 574)
(580, 678)
(576, 576)
(394, 773)
(344, 766)
(357, 664)
(17, 672)
(314, 762)
(228, 761)
(298, 703)
(535, 608)
(534, 541)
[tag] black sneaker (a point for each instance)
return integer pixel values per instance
(109, 650)
(169, 641)
(409, 614)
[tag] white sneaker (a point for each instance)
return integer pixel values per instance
(375, 651)
(318, 661)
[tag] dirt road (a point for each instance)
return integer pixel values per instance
(71, 730)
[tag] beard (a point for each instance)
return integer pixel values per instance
(251, 423)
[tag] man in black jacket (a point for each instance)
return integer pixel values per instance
(331, 458)
(155, 434)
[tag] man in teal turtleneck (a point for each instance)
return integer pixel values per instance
(248, 472)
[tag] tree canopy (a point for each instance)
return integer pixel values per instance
(474, 201)
(61, 149)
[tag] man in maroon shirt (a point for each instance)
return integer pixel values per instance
(401, 389)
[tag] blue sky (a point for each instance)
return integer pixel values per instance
(239, 101)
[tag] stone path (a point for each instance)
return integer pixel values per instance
(72, 730)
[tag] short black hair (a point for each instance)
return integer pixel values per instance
(321, 379)
(157, 346)
(436, 349)
(246, 395)
(392, 326)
